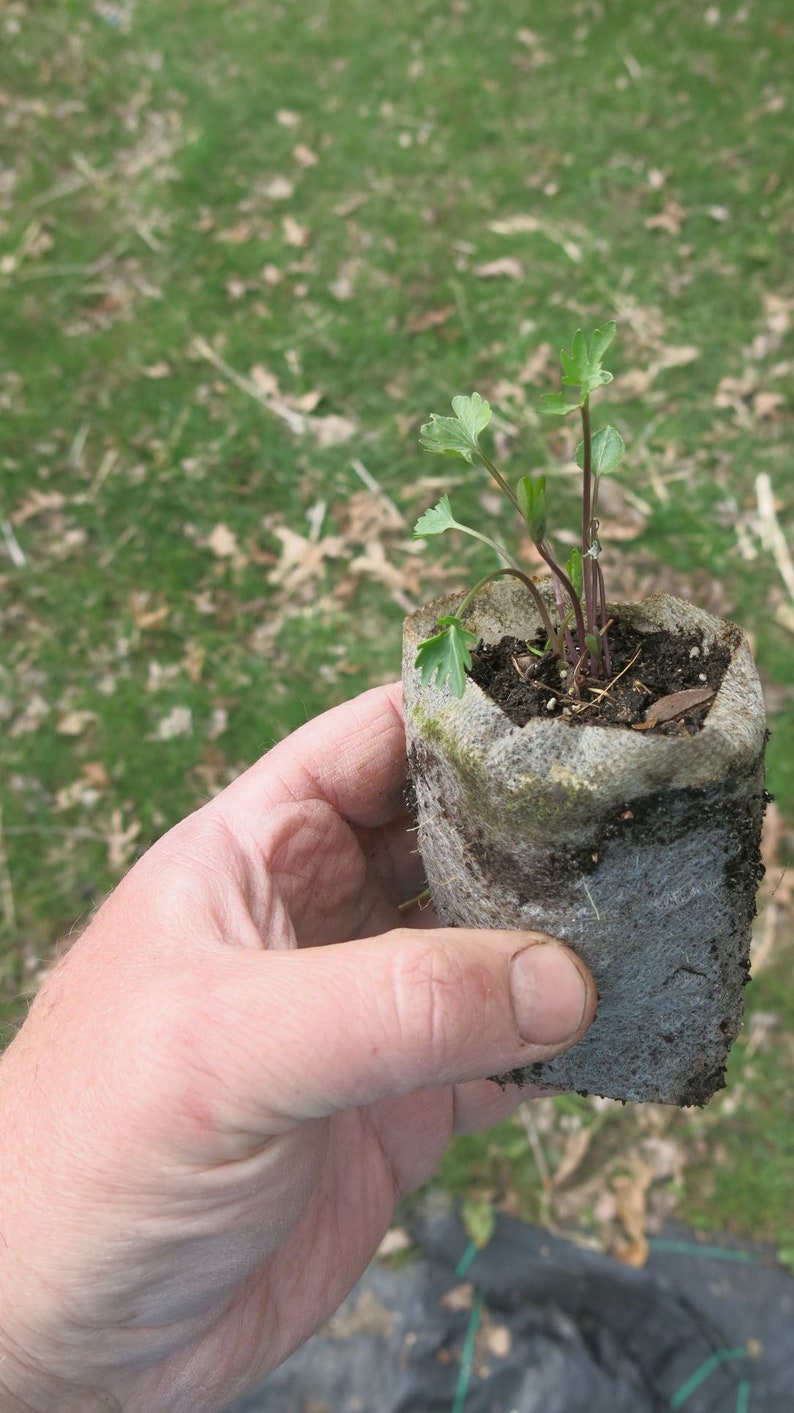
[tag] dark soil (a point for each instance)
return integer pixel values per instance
(648, 671)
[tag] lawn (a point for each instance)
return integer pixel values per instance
(245, 250)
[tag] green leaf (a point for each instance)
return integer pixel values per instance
(531, 497)
(557, 404)
(436, 520)
(575, 571)
(458, 435)
(607, 451)
(582, 366)
(446, 655)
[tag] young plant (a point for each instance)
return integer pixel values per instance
(578, 635)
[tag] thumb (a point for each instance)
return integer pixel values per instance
(328, 1028)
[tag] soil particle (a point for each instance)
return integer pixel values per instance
(646, 669)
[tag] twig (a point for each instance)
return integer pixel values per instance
(78, 446)
(531, 1130)
(15, 551)
(294, 420)
(772, 537)
(605, 691)
(372, 485)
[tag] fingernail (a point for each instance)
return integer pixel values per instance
(549, 994)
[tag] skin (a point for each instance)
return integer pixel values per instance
(224, 1087)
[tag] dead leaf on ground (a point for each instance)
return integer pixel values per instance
(631, 1209)
(277, 188)
(460, 1297)
(367, 1316)
(294, 233)
(670, 219)
(238, 234)
(144, 615)
(765, 403)
(75, 723)
(37, 503)
(224, 544)
(302, 560)
(366, 516)
(576, 1147)
(178, 722)
(430, 319)
(506, 267)
(121, 841)
(332, 430)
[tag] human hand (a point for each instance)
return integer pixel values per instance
(226, 1084)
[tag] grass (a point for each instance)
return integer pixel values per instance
(319, 194)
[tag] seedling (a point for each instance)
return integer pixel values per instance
(578, 635)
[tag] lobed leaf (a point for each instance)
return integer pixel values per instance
(458, 435)
(445, 656)
(557, 404)
(436, 520)
(582, 366)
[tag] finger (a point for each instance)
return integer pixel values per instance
(300, 1035)
(352, 756)
(484, 1102)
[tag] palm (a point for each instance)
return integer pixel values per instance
(205, 1069)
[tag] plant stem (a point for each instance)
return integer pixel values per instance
(475, 534)
(500, 481)
(587, 516)
(549, 629)
(560, 574)
(602, 599)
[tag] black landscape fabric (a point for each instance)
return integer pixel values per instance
(707, 1328)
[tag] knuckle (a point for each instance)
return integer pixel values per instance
(435, 994)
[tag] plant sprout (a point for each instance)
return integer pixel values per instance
(578, 635)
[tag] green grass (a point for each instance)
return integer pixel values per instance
(313, 190)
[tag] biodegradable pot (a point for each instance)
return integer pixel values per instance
(640, 850)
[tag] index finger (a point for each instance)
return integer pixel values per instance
(353, 757)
